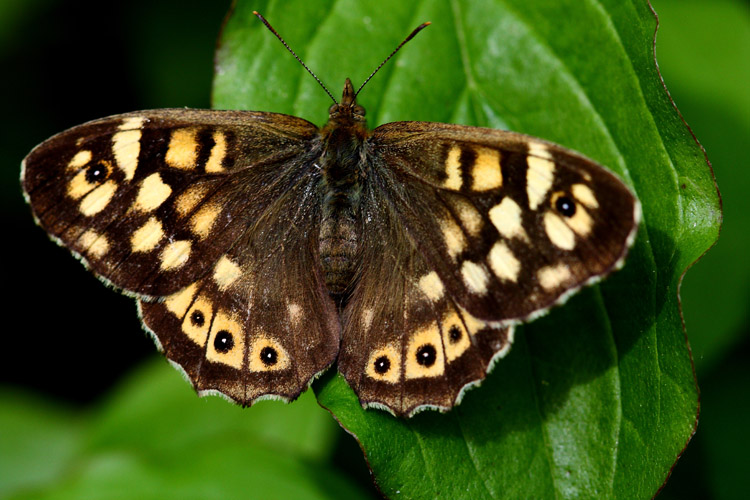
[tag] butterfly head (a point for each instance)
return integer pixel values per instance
(347, 112)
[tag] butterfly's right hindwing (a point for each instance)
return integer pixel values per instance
(407, 344)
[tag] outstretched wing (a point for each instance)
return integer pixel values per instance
(479, 229)
(182, 208)
(407, 344)
(511, 224)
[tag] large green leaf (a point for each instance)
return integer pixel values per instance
(599, 398)
(155, 439)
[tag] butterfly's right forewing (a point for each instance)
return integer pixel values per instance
(510, 224)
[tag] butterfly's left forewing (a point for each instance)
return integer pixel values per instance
(150, 200)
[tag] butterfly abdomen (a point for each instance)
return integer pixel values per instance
(341, 185)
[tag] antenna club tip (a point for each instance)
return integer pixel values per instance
(427, 23)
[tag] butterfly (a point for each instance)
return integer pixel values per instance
(262, 249)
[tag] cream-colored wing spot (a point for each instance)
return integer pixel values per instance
(470, 218)
(475, 276)
(175, 255)
(540, 173)
(368, 315)
(226, 272)
(456, 339)
(454, 238)
(575, 216)
(79, 185)
(183, 149)
(384, 364)
(132, 123)
(485, 172)
(218, 152)
(424, 354)
(126, 146)
(507, 218)
(98, 199)
(453, 178)
(581, 222)
(203, 220)
(473, 324)
(539, 150)
(266, 354)
(432, 286)
(558, 232)
(197, 321)
(190, 199)
(96, 245)
(148, 236)
(85, 180)
(178, 302)
(585, 195)
(295, 314)
(80, 159)
(226, 344)
(552, 277)
(152, 193)
(503, 263)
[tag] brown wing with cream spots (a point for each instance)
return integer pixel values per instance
(406, 344)
(150, 200)
(516, 225)
(260, 324)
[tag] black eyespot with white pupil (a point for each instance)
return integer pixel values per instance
(97, 172)
(197, 319)
(269, 356)
(454, 334)
(224, 342)
(426, 355)
(565, 206)
(382, 365)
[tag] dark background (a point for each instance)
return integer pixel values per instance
(85, 60)
(69, 338)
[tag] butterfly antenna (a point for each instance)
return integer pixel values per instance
(411, 35)
(268, 25)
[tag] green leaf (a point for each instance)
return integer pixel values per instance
(599, 398)
(36, 441)
(156, 439)
(714, 37)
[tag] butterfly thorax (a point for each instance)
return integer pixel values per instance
(343, 140)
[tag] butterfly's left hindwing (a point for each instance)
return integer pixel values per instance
(261, 323)
(189, 210)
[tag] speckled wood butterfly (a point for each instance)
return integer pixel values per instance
(261, 249)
